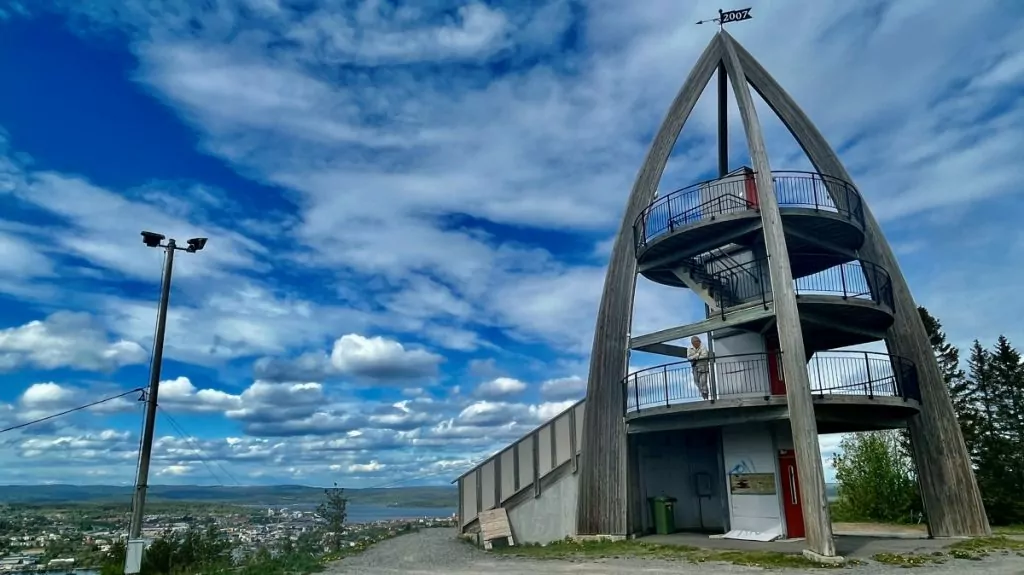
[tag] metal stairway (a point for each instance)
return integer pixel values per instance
(711, 287)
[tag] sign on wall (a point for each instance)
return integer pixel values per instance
(752, 483)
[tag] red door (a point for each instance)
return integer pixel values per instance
(792, 510)
(751, 189)
(776, 380)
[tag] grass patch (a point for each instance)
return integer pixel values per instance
(909, 560)
(980, 547)
(632, 549)
(1009, 530)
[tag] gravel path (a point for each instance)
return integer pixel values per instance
(438, 552)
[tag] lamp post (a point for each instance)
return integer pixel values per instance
(136, 545)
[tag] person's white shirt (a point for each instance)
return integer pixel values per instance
(696, 353)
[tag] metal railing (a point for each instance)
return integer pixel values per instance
(748, 282)
(759, 376)
(707, 200)
(858, 279)
(863, 373)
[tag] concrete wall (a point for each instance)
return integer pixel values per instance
(751, 449)
(741, 376)
(549, 517)
(672, 464)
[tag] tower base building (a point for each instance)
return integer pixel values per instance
(794, 270)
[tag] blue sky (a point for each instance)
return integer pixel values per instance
(410, 208)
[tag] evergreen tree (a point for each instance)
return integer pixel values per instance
(982, 385)
(1009, 405)
(1002, 461)
(960, 389)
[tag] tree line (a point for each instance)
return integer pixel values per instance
(875, 471)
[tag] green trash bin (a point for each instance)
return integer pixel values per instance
(663, 514)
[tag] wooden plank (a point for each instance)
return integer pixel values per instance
(739, 316)
(948, 487)
(817, 523)
(664, 349)
(602, 502)
(494, 525)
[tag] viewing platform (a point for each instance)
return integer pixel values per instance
(751, 386)
(704, 216)
(845, 303)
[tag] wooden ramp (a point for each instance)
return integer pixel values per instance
(494, 525)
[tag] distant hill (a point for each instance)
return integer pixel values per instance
(435, 496)
(443, 496)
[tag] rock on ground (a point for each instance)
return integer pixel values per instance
(439, 552)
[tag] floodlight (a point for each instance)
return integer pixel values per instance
(196, 244)
(151, 239)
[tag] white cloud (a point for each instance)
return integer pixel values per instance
(41, 394)
(371, 467)
(379, 358)
(500, 387)
(175, 470)
(372, 358)
(65, 340)
(564, 388)
(230, 320)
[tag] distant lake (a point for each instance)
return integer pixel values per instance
(363, 513)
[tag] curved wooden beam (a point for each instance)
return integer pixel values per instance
(817, 522)
(949, 489)
(602, 505)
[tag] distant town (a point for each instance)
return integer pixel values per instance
(62, 538)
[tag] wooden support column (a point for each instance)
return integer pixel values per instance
(602, 502)
(949, 489)
(817, 522)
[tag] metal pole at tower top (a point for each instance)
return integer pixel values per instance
(723, 121)
(136, 545)
(723, 89)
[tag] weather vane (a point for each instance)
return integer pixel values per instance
(729, 17)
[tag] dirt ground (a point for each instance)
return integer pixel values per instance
(439, 552)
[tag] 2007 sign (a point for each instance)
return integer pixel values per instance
(734, 15)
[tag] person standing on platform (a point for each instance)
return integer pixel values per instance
(701, 365)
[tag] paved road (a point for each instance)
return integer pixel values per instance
(438, 552)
